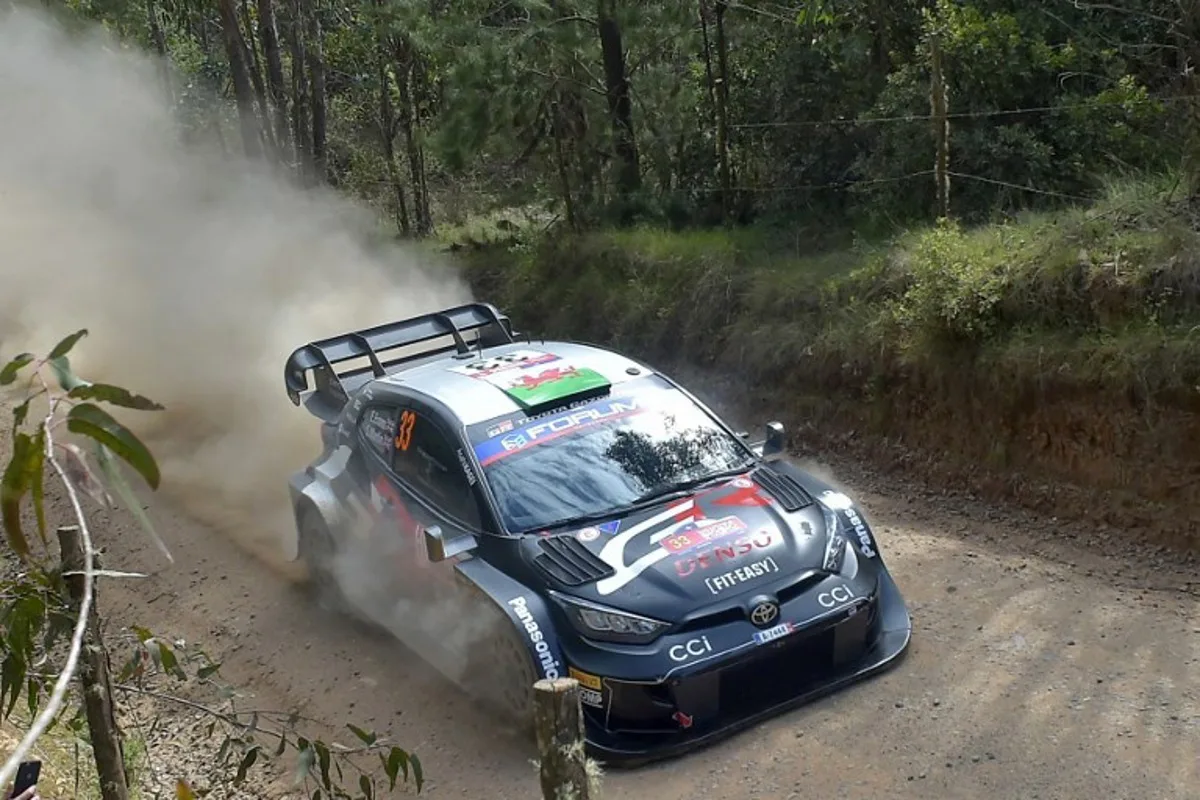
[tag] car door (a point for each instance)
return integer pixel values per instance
(428, 483)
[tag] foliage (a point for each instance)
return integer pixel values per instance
(738, 111)
(1109, 291)
(36, 617)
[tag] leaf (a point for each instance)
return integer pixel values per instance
(418, 772)
(9, 373)
(67, 379)
(282, 745)
(90, 420)
(368, 788)
(82, 477)
(142, 634)
(367, 738)
(207, 671)
(20, 413)
(183, 791)
(247, 762)
(107, 393)
(35, 476)
(170, 662)
(304, 762)
(64, 347)
(323, 760)
(397, 761)
(13, 487)
(112, 472)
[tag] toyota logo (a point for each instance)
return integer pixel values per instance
(764, 613)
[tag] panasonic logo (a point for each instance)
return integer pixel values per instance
(541, 647)
(860, 530)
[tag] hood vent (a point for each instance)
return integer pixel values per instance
(568, 561)
(784, 488)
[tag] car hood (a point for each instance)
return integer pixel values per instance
(711, 547)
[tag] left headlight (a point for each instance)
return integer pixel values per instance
(608, 624)
(835, 542)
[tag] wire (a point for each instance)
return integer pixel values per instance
(1033, 189)
(928, 117)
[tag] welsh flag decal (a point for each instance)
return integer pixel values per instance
(531, 377)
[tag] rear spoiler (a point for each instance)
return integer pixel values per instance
(321, 356)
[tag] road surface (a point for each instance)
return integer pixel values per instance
(1048, 661)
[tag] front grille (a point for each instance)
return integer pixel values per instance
(784, 488)
(568, 561)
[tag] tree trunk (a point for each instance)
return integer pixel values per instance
(316, 68)
(301, 132)
(564, 175)
(941, 129)
(406, 73)
(387, 136)
(723, 111)
(160, 47)
(620, 106)
(235, 51)
(94, 678)
(255, 69)
(268, 34)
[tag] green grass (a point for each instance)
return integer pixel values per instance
(1104, 296)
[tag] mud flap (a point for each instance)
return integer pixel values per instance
(525, 609)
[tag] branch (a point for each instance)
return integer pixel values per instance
(59, 695)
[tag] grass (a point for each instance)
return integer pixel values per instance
(1104, 296)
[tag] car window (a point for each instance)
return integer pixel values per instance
(597, 456)
(377, 426)
(425, 458)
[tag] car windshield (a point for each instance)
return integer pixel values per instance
(599, 457)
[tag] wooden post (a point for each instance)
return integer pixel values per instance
(558, 718)
(94, 677)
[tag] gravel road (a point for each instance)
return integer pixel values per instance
(1048, 661)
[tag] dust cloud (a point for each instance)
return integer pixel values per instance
(196, 272)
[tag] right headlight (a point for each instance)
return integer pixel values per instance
(835, 542)
(609, 624)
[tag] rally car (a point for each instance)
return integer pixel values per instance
(551, 509)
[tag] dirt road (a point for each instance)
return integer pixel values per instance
(1047, 662)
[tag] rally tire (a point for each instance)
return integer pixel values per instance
(317, 550)
(501, 676)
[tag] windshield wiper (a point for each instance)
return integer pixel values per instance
(648, 498)
(661, 492)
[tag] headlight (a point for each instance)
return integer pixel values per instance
(608, 624)
(835, 545)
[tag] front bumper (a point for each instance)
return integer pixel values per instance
(642, 722)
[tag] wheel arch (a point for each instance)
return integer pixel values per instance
(525, 610)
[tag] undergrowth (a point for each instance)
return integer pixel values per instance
(1103, 297)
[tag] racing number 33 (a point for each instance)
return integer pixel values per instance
(404, 435)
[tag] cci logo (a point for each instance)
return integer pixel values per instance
(693, 648)
(836, 596)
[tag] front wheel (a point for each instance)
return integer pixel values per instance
(500, 675)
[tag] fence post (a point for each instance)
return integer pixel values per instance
(558, 719)
(94, 677)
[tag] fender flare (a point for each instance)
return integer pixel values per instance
(525, 609)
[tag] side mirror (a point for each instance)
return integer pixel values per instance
(438, 549)
(776, 441)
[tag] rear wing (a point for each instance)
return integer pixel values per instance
(330, 384)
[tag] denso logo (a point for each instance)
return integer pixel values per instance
(693, 648)
(584, 416)
(540, 646)
(718, 555)
(838, 595)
